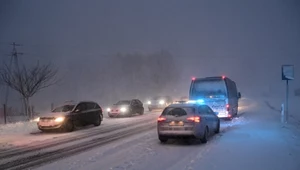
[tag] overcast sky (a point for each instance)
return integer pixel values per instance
(248, 40)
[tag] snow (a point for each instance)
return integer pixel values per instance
(23, 134)
(255, 140)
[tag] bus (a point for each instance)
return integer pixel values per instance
(220, 93)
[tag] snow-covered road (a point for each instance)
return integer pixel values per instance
(255, 140)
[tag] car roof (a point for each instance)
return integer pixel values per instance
(129, 100)
(185, 105)
(86, 101)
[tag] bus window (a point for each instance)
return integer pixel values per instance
(207, 88)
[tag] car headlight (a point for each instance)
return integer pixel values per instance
(149, 102)
(59, 119)
(161, 102)
(108, 109)
(123, 109)
(36, 119)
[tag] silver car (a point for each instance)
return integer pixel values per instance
(187, 120)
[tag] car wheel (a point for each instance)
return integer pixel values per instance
(218, 127)
(69, 126)
(204, 139)
(162, 139)
(45, 131)
(98, 123)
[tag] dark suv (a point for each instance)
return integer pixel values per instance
(67, 116)
(126, 108)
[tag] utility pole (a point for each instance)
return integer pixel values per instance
(13, 58)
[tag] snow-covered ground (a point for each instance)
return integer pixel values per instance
(255, 140)
(26, 133)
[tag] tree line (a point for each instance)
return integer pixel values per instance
(134, 75)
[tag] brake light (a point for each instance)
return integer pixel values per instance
(227, 107)
(194, 119)
(161, 119)
(223, 77)
(193, 78)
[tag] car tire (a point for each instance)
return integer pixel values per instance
(204, 139)
(45, 130)
(98, 123)
(69, 126)
(218, 127)
(162, 139)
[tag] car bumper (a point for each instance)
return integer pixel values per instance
(176, 133)
(49, 127)
(116, 114)
(225, 114)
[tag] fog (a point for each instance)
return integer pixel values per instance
(247, 41)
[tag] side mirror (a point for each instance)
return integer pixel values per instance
(239, 95)
(77, 110)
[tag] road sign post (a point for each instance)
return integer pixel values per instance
(287, 73)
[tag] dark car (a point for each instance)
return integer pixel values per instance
(67, 116)
(126, 108)
(188, 121)
(159, 102)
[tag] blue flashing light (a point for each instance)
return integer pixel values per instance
(201, 101)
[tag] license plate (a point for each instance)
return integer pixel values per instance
(179, 123)
(48, 123)
(221, 114)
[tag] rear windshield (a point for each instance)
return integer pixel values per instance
(178, 111)
(209, 88)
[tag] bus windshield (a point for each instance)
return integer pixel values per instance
(206, 88)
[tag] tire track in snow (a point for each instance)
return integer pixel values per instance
(49, 156)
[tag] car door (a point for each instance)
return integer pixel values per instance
(203, 116)
(91, 112)
(80, 113)
(140, 106)
(135, 106)
(213, 118)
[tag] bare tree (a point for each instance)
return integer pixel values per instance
(28, 81)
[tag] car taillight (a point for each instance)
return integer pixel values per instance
(194, 119)
(227, 107)
(161, 119)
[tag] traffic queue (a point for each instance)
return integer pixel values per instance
(197, 116)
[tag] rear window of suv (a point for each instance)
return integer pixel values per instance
(171, 111)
